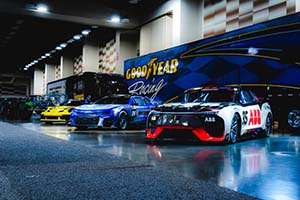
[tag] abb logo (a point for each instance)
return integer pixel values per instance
(254, 118)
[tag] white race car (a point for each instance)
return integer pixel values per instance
(212, 114)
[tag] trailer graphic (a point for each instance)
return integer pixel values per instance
(263, 55)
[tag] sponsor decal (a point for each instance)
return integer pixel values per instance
(254, 118)
(153, 68)
(141, 88)
(148, 72)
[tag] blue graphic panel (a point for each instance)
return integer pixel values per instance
(265, 53)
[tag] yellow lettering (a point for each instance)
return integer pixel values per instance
(128, 74)
(144, 70)
(167, 67)
(155, 66)
(133, 72)
(160, 68)
(174, 65)
(138, 72)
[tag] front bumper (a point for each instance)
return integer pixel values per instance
(202, 126)
(52, 118)
(93, 121)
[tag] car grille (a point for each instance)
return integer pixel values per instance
(87, 121)
(185, 120)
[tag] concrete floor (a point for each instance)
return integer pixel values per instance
(266, 168)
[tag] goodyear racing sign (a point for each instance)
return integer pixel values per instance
(265, 53)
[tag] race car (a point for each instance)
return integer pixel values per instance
(113, 111)
(60, 113)
(211, 114)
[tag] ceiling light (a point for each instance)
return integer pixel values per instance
(115, 19)
(58, 48)
(47, 54)
(85, 32)
(77, 37)
(43, 57)
(41, 8)
(133, 1)
(63, 45)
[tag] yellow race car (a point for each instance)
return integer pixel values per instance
(60, 113)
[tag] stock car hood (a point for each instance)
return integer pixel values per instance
(192, 107)
(57, 109)
(97, 107)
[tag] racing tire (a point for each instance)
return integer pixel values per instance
(123, 121)
(268, 128)
(235, 129)
(293, 119)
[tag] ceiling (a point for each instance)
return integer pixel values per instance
(26, 35)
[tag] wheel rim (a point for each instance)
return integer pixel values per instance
(294, 118)
(123, 122)
(234, 129)
(268, 125)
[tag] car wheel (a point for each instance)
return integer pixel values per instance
(234, 129)
(293, 119)
(123, 121)
(268, 128)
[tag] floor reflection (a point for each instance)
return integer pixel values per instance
(266, 168)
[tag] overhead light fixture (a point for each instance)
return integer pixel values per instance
(115, 19)
(43, 57)
(47, 54)
(42, 8)
(58, 48)
(77, 37)
(85, 32)
(63, 45)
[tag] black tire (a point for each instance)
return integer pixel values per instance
(235, 129)
(269, 126)
(123, 121)
(48, 123)
(293, 119)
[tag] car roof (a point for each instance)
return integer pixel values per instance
(212, 88)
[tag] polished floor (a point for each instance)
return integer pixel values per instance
(267, 168)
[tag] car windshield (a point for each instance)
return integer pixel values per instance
(210, 96)
(113, 100)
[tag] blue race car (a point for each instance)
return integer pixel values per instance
(114, 111)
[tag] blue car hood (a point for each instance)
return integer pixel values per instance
(97, 107)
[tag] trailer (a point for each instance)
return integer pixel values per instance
(262, 56)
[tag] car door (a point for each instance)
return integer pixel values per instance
(251, 111)
(140, 109)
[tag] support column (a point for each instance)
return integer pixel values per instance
(190, 21)
(90, 57)
(49, 73)
(37, 82)
(66, 66)
(128, 47)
